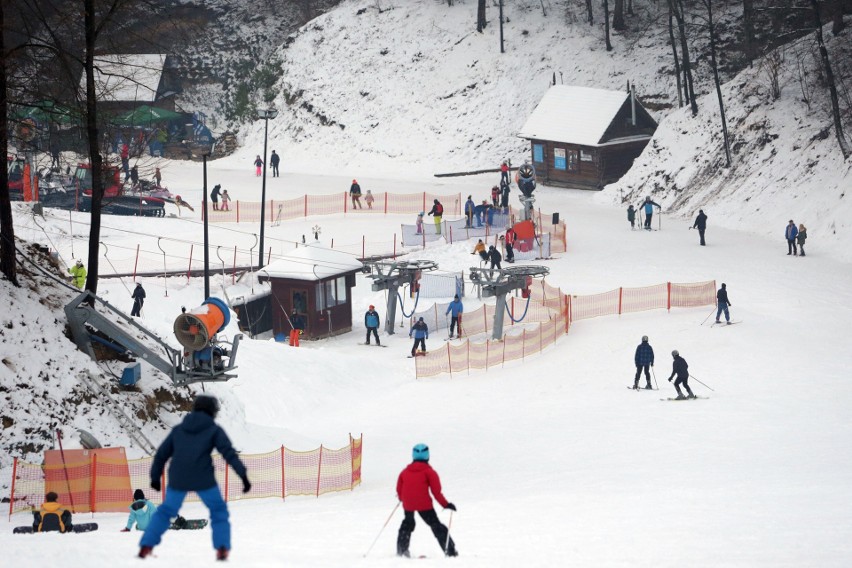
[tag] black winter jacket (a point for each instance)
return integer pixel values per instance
(644, 354)
(680, 368)
(722, 297)
(700, 222)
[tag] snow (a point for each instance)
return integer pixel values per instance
(127, 77)
(551, 461)
(311, 262)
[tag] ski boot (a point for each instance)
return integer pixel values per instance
(635, 386)
(145, 551)
(690, 395)
(648, 387)
(680, 396)
(222, 553)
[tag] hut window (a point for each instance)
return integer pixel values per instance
(571, 157)
(559, 162)
(341, 290)
(538, 153)
(331, 293)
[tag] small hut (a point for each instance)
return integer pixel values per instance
(316, 282)
(586, 138)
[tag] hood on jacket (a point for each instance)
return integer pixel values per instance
(196, 421)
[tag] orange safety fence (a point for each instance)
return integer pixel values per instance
(103, 480)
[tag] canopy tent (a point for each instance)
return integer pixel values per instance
(144, 115)
(43, 112)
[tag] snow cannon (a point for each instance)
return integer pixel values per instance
(197, 328)
(525, 179)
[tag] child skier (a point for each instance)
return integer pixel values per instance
(141, 512)
(631, 216)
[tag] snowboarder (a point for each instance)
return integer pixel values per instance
(722, 304)
(468, 212)
(800, 239)
(680, 368)
(415, 483)
(138, 300)
(258, 165)
(495, 196)
(355, 194)
(419, 223)
(649, 211)
(644, 358)
(438, 211)
(188, 446)
(420, 332)
(511, 237)
(274, 160)
(700, 224)
(371, 322)
(790, 234)
(495, 257)
(214, 196)
(457, 308)
(479, 249)
(631, 216)
(504, 173)
(141, 512)
(369, 199)
(225, 199)
(52, 516)
(78, 274)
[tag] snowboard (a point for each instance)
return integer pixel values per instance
(77, 528)
(419, 354)
(684, 399)
(182, 524)
(372, 345)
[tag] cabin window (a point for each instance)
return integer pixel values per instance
(538, 153)
(559, 161)
(341, 290)
(571, 160)
(586, 156)
(331, 293)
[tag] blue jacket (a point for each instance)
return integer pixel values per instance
(468, 207)
(644, 354)
(141, 512)
(189, 445)
(419, 330)
(790, 232)
(649, 207)
(371, 319)
(456, 307)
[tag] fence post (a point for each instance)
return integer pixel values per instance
(92, 494)
(512, 319)
(136, 263)
(451, 234)
(570, 310)
(283, 476)
(386, 203)
(363, 246)
(503, 354)
(524, 345)
(487, 351)
(189, 268)
(12, 494)
(620, 292)
(163, 486)
(332, 242)
(319, 471)
(345, 204)
(238, 210)
(467, 341)
(234, 273)
(394, 245)
(669, 296)
(306, 205)
(269, 255)
(449, 361)
(424, 203)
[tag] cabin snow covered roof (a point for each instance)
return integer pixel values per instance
(127, 76)
(574, 115)
(312, 262)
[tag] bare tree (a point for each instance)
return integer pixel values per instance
(618, 16)
(480, 16)
(606, 25)
(709, 5)
(589, 12)
(673, 43)
(832, 87)
(837, 24)
(7, 228)
(748, 30)
(688, 88)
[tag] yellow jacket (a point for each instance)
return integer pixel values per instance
(480, 247)
(78, 273)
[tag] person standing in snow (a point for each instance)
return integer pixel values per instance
(141, 512)
(700, 224)
(225, 199)
(468, 212)
(681, 370)
(504, 194)
(413, 486)
(188, 446)
(723, 304)
(631, 216)
(800, 239)
(355, 194)
(649, 211)
(504, 173)
(214, 196)
(274, 160)
(438, 211)
(644, 359)
(511, 237)
(138, 300)
(495, 257)
(371, 322)
(790, 233)
(369, 199)
(78, 274)
(52, 516)
(495, 196)
(158, 177)
(420, 332)
(258, 165)
(457, 308)
(134, 175)
(125, 161)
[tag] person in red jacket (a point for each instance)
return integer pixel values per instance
(413, 487)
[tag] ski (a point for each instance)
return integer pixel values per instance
(79, 528)
(642, 389)
(419, 354)
(720, 324)
(695, 398)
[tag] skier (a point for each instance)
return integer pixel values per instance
(188, 446)
(479, 249)
(371, 322)
(495, 196)
(722, 304)
(700, 224)
(274, 160)
(438, 211)
(631, 216)
(141, 512)
(495, 257)
(790, 234)
(355, 194)
(457, 308)
(369, 199)
(419, 223)
(800, 239)
(480, 212)
(511, 237)
(214, 196)
(468, 212)
(504, 173)
(258, 164)
(138, 300)
(680, 368)
(225, 199)
(643, 359)
(52, 516)
(504, 194)
(415, 483)
(78, 274)
(420, 331)
(649, 211)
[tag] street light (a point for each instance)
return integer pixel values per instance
(204, 150)
(265, 114)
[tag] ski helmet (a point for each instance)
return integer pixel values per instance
(420, 453)
(644, 339)
(675, 353)
(206, 404)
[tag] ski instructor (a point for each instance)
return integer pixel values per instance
(189, 445)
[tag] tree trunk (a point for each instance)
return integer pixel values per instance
(832, 87)
(689, 90)
(480, 16)
(709, 5)
(748, 30)
(676, 60)
(606, 24)
(7, 228)
(618, 16)
(94, 152)
(629, 7)
(589, 11)
(837, 24)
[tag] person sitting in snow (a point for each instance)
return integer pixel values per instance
(141, 511)
(480, 249)
(52, 516)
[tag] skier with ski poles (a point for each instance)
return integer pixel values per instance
(680, 368)
(649, 211)
(644, 358)
(723, 304)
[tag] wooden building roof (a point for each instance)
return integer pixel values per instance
(312, 262)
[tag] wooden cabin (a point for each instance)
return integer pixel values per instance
(317, 283)
(586, 138)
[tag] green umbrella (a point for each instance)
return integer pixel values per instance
(43, 112)
(146, 115)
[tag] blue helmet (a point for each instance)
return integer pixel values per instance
(420, 453)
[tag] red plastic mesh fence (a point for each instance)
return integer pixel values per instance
(106, 483)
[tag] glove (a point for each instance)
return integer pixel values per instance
(155, 484)
(451, 507)
(246, 484)
(124, 530)
(670, 379)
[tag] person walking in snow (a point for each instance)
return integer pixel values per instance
(258, 165)
(125, 161)
(355, 194)
(437, 211)
(413, 486)
(188, 446)
(495, 257)
(138, 300)
(419, 223)
(52, 516)
(644, 359)
(631, 216)
(681, 370)
(468, 212)
(78, 274)
(722, 304)
(371, 322)
(801, 236)
(420, 332)
(790, 233)
(274, 160)
(158, 177)
(700, 224)
(369, 199)
(504, 173)
(457, 308)
(225, 199)
(511, 237)
(214, 196)
(141, 512)
(649, 211)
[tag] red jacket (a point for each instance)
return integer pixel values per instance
(414, 484)
(510, 236)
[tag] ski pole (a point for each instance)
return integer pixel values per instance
(655, 377)
(382, 530)
(708, 316)
(449, 526)
(692, 377)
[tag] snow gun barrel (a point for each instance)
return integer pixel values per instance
(196, 328)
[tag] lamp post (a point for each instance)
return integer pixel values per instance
(204, 150)
(265, 114)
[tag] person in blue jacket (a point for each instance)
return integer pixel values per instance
(141, 512)
(649, 211)
(643, 359)
(420, 331)
(189, 445)
(371, 322)
(468, 212)
(457, 308)
(790, 234)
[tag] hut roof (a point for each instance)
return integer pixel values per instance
(312, 262)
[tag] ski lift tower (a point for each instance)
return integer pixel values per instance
(526, 183)
(393, 274)
(498, 283)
